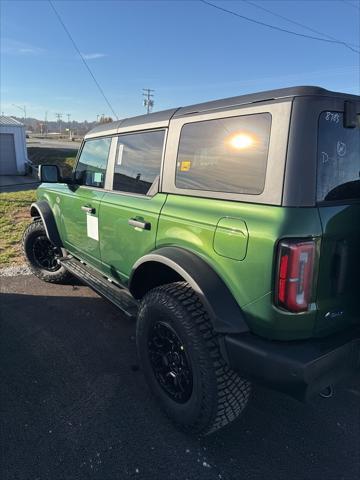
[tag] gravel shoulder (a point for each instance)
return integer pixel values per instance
(15, 271)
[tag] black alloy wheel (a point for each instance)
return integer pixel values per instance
(170, 362)
(42, 256)
(45, 254)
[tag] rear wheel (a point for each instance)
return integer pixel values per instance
(42, 255)
(180, 357)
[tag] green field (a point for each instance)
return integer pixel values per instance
(14, 216)
(14, 206)
(64, 158)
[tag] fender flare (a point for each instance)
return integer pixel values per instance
(42, 209)
(224, 312)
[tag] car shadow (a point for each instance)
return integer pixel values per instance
(74, 400)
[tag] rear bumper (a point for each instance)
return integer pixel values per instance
(300, 369)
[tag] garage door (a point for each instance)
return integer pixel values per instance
(7, 154)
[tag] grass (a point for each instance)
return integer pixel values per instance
(63, 157)
(14, 206)
(14, 217)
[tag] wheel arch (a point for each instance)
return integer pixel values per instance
(172, 264)
(42, 209)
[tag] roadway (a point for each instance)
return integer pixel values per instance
(52, 143)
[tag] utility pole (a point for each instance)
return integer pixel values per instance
(59, 117)
(45, 128)
(69, 128)
(97, 118)
(148, 101)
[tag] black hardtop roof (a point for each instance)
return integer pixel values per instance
(268, 95)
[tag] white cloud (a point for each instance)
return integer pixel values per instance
(14, 47)
(92, 56)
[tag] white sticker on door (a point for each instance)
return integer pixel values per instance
(98, 177)
(92, 225)
(120, 154)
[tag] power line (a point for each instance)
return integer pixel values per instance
(23, 108)
(82, 58)
(298, 23)
(357, 7)
(274, 27)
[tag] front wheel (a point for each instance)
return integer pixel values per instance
(42, 255)
(181, 360)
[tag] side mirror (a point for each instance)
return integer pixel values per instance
(49, 173)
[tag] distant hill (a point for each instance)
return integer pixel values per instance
(78, 128)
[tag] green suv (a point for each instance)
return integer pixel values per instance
(231, 231)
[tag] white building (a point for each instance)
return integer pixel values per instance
(13, 153)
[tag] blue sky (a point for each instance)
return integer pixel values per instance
(185, 50)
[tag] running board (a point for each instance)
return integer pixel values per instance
(104, 287)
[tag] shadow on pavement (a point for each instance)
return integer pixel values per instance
(74, 408)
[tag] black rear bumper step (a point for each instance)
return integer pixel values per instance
(115, 294)
(300, 369)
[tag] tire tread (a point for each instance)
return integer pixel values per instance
(59, 276)
(232, 392)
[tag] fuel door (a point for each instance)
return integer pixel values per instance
(231, 238)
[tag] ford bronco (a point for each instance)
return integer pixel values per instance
(231, 231)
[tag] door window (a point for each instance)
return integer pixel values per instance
(138, 161)
(91, 167)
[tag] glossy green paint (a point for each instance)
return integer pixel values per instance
(66, 202)
(237, 239)
(231, 238)
(74, 222)
(120, 243)
(190, 222)
(49, 192)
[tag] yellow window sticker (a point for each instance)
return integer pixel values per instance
(185, 166)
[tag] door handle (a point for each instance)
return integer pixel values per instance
(87, 209)
(139, 224)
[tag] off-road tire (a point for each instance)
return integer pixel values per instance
(32, 232)
(218, 395)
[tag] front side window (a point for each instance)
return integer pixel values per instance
(91, 167)
(338, 162)
(224, 155)
(138, 161)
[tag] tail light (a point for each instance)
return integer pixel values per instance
(295, 274)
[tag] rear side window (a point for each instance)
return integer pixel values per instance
(138, 161)
(338, 159)
(91, 167)
(224, 155)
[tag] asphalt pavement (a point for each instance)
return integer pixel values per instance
(52, 143)
(74, 406)
(15, 183)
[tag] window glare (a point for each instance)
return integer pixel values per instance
(92, 163)
(224, 155)
(138, 161)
